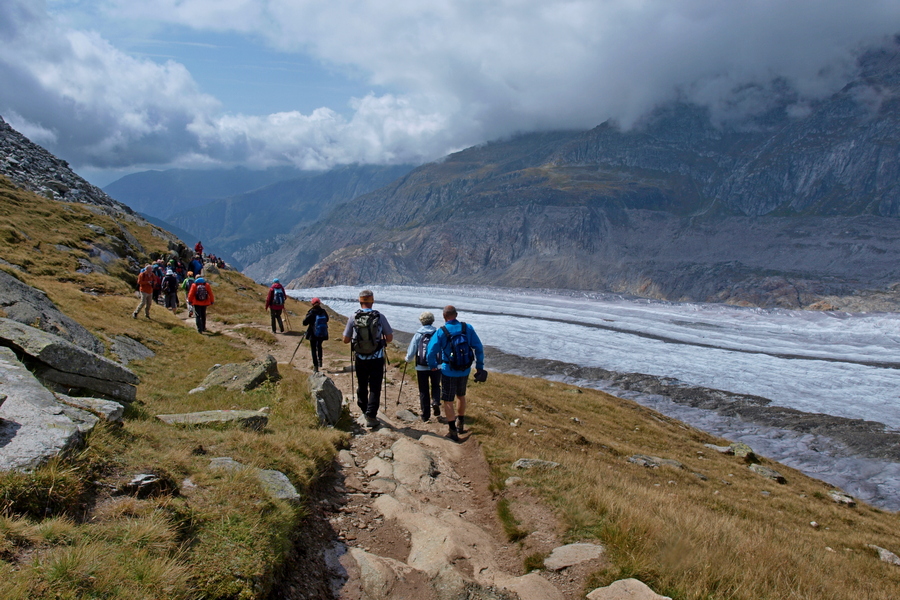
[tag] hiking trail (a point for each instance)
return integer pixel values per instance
(407, 513)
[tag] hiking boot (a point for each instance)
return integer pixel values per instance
(371, 422)
(459, 424)
(452, 435)
(134, 315)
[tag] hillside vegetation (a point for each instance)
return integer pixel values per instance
(66, 533)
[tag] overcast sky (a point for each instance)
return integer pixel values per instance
(115, 86)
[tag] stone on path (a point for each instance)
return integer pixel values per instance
(572, 554)
(345, 458)
(413, 466)
(379, 466)
(407, 416)
(275, 483)
(327, 398)
(531, 587)
(534, 463)
(242, 377)
(382, 578)
(248, 419)
(33, 426)
(626, 589)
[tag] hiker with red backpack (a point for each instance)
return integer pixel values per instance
(275, 300)
(317, 331)
(418, 351)
(200, 296)
(452, 349)
(369, 332)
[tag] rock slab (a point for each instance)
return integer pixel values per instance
(572, 554)
(242, 377)
(33, 426)
(248, 419)
(275, 483)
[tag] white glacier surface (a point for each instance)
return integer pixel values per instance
(839, 364)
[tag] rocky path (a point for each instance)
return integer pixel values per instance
(407, 513)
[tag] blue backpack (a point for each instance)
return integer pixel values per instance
(278, 296)
(460, 355)
(320, 329)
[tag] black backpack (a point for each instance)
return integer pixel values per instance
(278, 296)
(202, 293)
(170, 284)
(367, 327)
(422, 350)
(461, 356)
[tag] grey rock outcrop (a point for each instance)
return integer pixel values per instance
(885, 555)
(66, 367)
(654, 462)
(128, 349)
(328, 399)
(30, 306)
(534, 463)
(109, 411)
(768, 473)
(242, 377)
(248, 419)
(33, 425)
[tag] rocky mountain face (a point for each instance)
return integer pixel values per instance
(32, 168)
(787, 208)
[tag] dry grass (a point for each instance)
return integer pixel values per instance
(734, 535)
(64, 536)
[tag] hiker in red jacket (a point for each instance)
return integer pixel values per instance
(200, 296)
(275, 300)
(198, 249)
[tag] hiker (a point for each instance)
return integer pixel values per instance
(370, 332)
(157, 285)
(317, 331)
(186, 286)
(196, 265)
(198, 249)
(169, 288)
(200, 296)
(146, 281)
(453, 349)
(275, 300)
(418, 350)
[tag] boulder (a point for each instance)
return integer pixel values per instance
(532, 587)
(328, 399)
(248, 419)
(768, 473)
(534, 463)
(73, 384)
(61, 354)
(27, 305)
(33, 426)
(654, 462)
(885, 555)
(842, 498)
(109, 411)
(572, 554)
(625, 589)
(242, 376)
(275, 483)
(127, 349)
(742, 450)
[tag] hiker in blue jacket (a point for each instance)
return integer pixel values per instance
(453, 349)
(417, 351)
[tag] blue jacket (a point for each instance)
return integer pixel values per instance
(414, 346)
(438, 349)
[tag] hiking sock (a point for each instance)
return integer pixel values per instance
(460, 420)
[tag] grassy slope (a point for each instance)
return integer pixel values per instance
(64, 536)
(734, 535)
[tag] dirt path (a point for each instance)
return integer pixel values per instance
(407, 513)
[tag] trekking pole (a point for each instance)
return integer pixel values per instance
(295, 351)
(287, 320)
(352, 387)
(402, 379)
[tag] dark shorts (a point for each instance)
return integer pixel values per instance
(453, 386)
(172, 300)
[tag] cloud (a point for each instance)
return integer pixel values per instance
(459, 71)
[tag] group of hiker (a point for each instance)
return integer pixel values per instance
(443, 356)
(159, 283)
